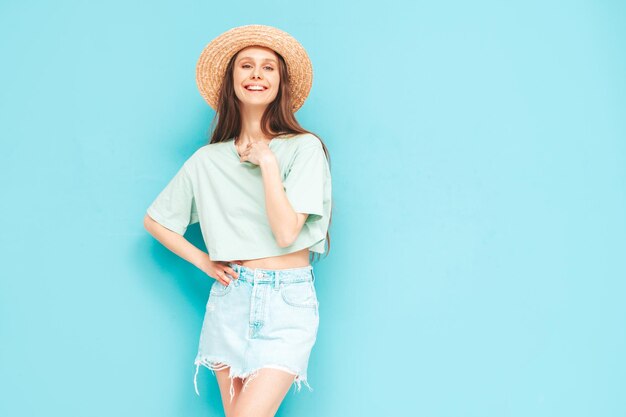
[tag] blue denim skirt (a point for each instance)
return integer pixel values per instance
(268, 318)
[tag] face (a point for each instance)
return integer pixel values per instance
(256, 65)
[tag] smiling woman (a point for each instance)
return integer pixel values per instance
(261, 191)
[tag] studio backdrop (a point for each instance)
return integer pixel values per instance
(478, 156)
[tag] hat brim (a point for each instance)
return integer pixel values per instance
(211, 66)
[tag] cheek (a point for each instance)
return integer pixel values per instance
(275, 83)
(237, 77)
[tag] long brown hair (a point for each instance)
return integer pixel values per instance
(278, 118)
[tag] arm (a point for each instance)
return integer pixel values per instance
(186, 250)
(167, 219)
(284, 221)
(175, 242)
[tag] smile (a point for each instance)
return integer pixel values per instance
(256, 88)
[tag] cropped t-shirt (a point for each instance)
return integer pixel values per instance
(227, 198)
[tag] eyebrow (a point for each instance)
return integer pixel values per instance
(249, 57)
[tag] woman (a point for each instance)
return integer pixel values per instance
(261, 191)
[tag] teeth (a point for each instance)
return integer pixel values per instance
(255, 87)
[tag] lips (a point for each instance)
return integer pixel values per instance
(258, 88)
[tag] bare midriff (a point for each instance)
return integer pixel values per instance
(290, 260)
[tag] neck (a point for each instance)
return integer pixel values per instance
(251, 126)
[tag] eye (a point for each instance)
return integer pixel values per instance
(248, 65)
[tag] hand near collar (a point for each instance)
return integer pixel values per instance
(257, 153)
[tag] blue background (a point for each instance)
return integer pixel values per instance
(478, 153)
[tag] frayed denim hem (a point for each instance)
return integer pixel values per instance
(216, 365)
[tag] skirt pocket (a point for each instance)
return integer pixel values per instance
(218, 289)
(299, 294)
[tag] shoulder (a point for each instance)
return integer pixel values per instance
(309, 139)
(206, 153)
(304, 141)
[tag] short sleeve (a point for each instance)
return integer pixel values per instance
(175, 206)
(307, 178)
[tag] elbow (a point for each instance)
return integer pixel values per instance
(286, 240)
(148, 223)
(283, 243)
(288, 237)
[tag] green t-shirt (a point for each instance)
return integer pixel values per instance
(227, 197)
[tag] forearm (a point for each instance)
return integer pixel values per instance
(282, 218)
(176, 243)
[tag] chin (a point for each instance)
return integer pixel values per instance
(255, 103)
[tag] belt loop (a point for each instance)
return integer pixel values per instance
(276, 279)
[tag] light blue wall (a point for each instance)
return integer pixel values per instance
(479, 227)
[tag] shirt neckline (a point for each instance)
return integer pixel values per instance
(234, 148)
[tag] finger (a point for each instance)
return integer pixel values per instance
(223, 278)
(231, 272)
(219, 279)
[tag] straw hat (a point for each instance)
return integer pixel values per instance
(213, 60)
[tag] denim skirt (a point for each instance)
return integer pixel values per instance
(268, 318)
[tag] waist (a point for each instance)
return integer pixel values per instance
(257, 275)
